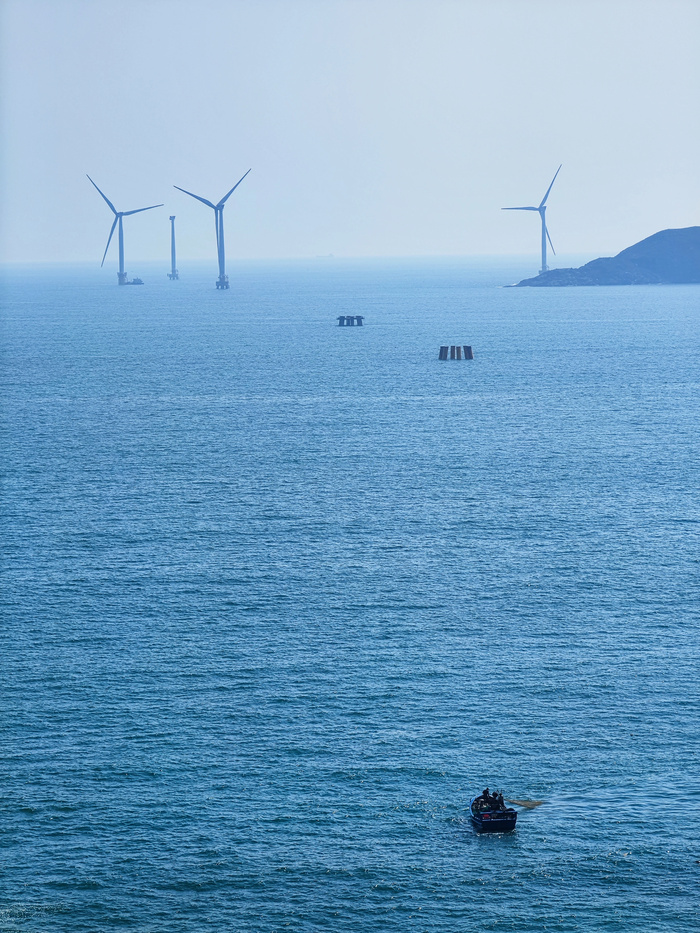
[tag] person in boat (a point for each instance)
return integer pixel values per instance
(493, 801)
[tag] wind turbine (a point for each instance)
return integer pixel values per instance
(222, 281)
(121, 275)
(540, 210)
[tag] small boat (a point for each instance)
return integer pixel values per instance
(490, 814)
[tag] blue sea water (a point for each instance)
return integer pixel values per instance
(278, 597)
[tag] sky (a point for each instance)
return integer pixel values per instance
(372, 127)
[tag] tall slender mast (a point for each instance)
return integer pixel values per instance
(222, 252)
(173, 265)
(121, 275)
(544, 241)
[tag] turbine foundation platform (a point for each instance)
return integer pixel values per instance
(349, 320)
(222, 281)
(173, 275)
(455, 352)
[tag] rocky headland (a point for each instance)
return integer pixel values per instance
(670, 257)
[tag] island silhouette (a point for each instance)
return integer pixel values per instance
(669, 257)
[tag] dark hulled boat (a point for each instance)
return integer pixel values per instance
(492, 816)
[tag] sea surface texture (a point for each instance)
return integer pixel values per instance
(279, 597)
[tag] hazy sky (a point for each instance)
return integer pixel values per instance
(373, 127)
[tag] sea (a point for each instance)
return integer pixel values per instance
(279, 597)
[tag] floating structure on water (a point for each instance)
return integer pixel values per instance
(349, 320)
(455, 352)
(490, 814)
(173, 274)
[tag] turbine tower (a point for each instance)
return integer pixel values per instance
(222, 281)
(545, 232)
(173, 267)
(121, 275)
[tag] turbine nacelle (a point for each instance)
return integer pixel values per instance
(219, 206)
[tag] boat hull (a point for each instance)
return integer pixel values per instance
(493, 821)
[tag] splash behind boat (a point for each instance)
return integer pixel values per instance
(491, 817)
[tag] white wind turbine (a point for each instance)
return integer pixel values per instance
(540, 210)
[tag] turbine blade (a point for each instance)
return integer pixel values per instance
(113, 208)
(550, 186)
(227, 196)
(116, 221)
(520, 208)
(550, 239)
(139, 209)
(203, 200)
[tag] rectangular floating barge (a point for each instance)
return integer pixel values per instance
(455, 352)
(349, 320)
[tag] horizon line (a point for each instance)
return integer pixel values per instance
(296, 258)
